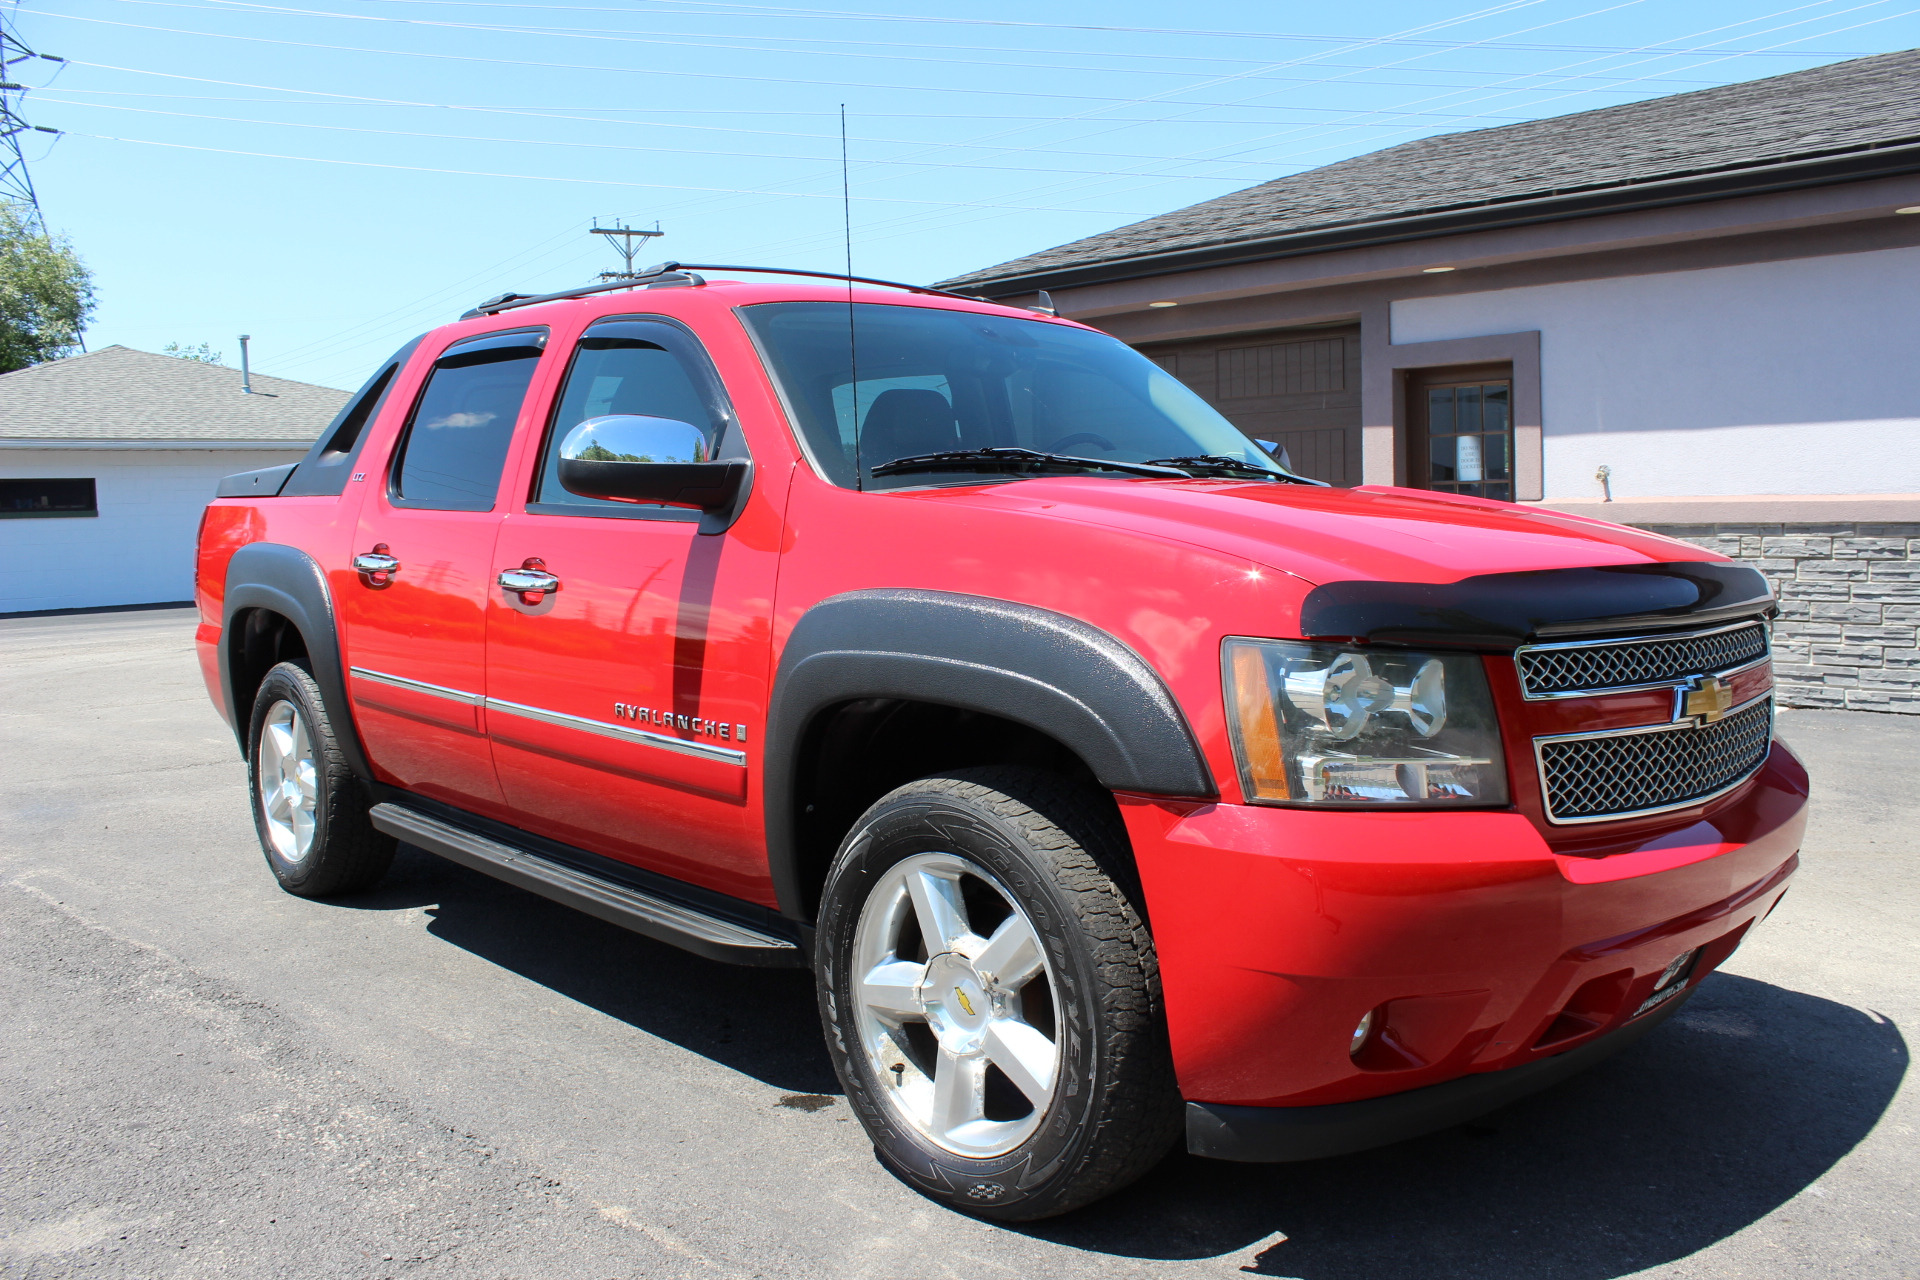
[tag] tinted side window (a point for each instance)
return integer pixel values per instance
(632, 367)
(325, 469)
(457, 442)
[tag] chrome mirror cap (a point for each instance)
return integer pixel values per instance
(662, 461)
(624, 437)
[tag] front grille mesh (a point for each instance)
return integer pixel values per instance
(1627, 773)
(1612, 666)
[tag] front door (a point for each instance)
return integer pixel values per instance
(415, 622)
(625, 706)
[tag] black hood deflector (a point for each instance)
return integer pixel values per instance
(1506, 610)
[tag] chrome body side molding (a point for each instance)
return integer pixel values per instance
(418, 686)
(619, 732)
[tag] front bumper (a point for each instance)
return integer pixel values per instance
(1482, 952)
(1280, 1134)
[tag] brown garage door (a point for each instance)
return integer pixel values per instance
(1299, 388)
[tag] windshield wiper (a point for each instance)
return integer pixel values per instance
(1221, 464)
(1013, 459)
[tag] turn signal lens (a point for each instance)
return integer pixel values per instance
(1351, 725)
(1361, 1032)
(1266, 770)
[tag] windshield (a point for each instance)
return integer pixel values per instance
(933, 380)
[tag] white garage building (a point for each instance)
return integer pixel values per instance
(106, 461)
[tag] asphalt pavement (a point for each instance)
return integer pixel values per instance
(203, 1076)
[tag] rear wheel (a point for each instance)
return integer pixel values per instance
(991, 996)
(308, 808)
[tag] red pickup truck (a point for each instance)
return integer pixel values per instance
(1119, 785)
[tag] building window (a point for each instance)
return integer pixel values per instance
(1463, 442)
(26, 499)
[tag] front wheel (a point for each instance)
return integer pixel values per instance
(309, 809)
(991, 996)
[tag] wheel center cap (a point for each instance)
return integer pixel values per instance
(956, 1001)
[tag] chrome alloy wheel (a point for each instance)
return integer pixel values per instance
(955, 1005)
(289, 781)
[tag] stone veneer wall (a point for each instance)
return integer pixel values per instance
(1849, 607)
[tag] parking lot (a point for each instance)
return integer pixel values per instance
(203, 1076)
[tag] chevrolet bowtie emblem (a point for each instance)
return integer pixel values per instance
(964, 1002)
(1707, 699)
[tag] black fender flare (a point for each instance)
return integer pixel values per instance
(289, 582)
(1055, 674)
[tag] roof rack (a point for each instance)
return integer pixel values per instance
(509, 301)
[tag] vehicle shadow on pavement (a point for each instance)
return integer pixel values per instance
(760, 1022)
(1737, 1104)
(1740, 1102)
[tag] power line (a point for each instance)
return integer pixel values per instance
(620, 146)
(76, 98)
(1493, 11)
(542, 177)
(890, 50)
(698, 75)
(707, 8)
(907, 223)
(966, 48)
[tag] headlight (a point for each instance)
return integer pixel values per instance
(1353, 725)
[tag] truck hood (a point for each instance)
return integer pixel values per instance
(1336, 535)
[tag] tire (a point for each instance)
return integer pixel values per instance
(309, 811)
(945, 1047)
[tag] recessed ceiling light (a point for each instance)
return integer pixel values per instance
(1163, 304)
(1434, 271)
(1912, 208)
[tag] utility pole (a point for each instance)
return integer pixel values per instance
(622, 238)
(15, 182)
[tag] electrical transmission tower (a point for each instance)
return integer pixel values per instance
(16, 184)
(623, 239)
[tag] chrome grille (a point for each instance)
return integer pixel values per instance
(1558, 670)
(1594, 776)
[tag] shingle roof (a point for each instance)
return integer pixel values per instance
(1844, 106)
(117, 394)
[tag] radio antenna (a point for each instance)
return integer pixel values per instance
(853, 346)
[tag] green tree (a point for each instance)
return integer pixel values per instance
(46, 292)
(202, 354)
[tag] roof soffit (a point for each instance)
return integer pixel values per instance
(1808, 209)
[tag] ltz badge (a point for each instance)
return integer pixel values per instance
(686, 724)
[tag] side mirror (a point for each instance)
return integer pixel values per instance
(629, 458)
(1278, 452)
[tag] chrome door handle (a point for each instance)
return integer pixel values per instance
(376, 566)
(530, 581)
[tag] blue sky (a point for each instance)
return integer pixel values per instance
(334, 176)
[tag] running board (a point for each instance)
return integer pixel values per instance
(666, 921)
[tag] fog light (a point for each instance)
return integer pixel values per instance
(1361, 1032)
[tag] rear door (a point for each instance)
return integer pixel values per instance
(625, 706)
(415, 622)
